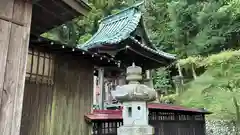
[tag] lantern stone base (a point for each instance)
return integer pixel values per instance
(136, 130)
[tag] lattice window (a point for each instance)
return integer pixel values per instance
(185, 117)
(199, 117)
(106, 127)
(40, 67)
(161, 116)
(164, 123)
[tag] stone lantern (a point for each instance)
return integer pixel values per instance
(134, 97)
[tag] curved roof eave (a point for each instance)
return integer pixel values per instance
(114, 29)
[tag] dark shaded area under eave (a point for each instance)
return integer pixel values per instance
(48, 14)
(117, 33)
(50, 46)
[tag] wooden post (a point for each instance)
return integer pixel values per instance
(149, 82)
(149, 79)
(121, 80)
(106, 90)
(101, 85)
(15, 22)
(94, 90)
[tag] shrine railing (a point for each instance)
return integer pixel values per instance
(171, 121)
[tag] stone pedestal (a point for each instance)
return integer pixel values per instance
(134, 97)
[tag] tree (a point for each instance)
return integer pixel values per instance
(156, 18)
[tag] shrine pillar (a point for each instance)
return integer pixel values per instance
(15, 22)
(134, 97)
(95, 90)
(102, 89)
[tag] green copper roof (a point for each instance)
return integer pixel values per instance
(115, 28)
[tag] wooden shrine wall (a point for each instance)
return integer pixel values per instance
(57, 95)
(15, 22)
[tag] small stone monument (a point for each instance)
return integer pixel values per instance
(178, 82)
(134, 97)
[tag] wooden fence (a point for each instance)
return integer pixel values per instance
(165, 122)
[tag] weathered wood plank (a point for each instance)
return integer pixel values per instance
(17, 113)
(5, 28)
(10, 82)
(10, 117)
(72, 96)
(89, 101)
(36, 109)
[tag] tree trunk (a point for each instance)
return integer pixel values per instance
(194, 72)
(15, 22)
(180, 72)
(158, 97)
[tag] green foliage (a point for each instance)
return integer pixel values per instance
(170, 99)
(189, 61)
(222, 58)
(84, 38)
(193, 27)
(157, 19)
(161, 79)
(67, 33)
(218, 87)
